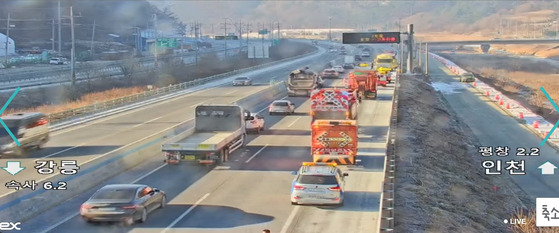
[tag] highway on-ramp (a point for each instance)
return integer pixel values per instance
(251, 191)
(493, 127)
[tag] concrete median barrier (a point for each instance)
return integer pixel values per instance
(25, 204)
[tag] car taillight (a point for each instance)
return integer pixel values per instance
(270, 108)
(337, 188)
(85, 207)
(298, 187)
(130, 207)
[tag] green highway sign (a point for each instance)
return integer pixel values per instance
(263, 32)
(167, 42)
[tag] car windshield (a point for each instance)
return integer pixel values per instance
(114, 194)
(384, 61)
(242, 78)
(317, 179)
(281, 104)
(13, 125)
(329, 71)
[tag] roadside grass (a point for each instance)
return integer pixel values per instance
(136, 80)
(530, 226)
(85, 100)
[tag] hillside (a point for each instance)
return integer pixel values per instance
(33, 20)
(450, 17)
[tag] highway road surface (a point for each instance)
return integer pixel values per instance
(247, 194)
(493, 127)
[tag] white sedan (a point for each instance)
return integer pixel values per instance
(255, 123)
(338, 69)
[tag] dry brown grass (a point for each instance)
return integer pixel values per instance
(437, 173)
(85, 100)
(530, 226)
(544, 51)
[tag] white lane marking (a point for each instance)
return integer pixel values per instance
(196, 104)
(231, 92)
(255, 154)
(106, 136)
(77, 213)
(267, 107)
(290, 219)
(294, 122)
(102, 155)
(127, 112)
(185, 213)
(152, 120)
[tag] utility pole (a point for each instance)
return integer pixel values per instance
(156, 40)
(279, 35)
(426, 58)
(52, 35)
(73, 52)
(93, 38)
(410, 48)
(225, 37)
(7, 39)
(330, 29)
(240, 34)
(248, 25)
(59, 31)
(419, 55)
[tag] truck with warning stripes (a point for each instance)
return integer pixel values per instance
(333, 104)
(334, 141)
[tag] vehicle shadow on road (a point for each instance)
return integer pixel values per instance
(63, 151)
(358, 201)
(285, 132)
(204, 216)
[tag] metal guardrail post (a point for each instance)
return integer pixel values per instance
(387, 204)
(65, 115)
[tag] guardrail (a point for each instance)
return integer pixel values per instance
(386, 207)
(62, 74)
(99, 107)
(536, 123)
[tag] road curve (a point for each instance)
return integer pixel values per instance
(251, 192)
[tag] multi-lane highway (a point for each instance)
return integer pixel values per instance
(247, 194)
(493, 127)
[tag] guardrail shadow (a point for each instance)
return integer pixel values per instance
(358, 201)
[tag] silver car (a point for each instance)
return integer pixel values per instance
(281, 106)
(242, 81)
(31, 129)
(318, 183)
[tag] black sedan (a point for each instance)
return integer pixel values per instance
(122, 202)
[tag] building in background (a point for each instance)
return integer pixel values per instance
(11, 46)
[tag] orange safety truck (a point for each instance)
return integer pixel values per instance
(363, 83)
(333, 104)
(334, 141)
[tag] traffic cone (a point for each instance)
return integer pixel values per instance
(536, 124)
(497, 97)
(501, 102)
(487, 93)
(521, 115)
(508, 106)
(475, 84)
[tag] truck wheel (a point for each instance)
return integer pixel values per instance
(224, 155)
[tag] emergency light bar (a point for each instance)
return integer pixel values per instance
(319, 164)
(341, 122)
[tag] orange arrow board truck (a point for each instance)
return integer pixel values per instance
(334, 141)
(333, 104)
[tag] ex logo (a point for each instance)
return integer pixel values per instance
(8, 226)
